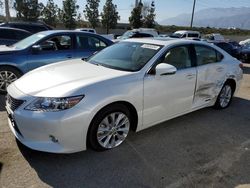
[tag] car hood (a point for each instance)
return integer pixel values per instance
(6, 49)
(64, 78)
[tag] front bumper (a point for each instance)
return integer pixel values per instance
(55, 132)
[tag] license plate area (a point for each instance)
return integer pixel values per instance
(13, 122)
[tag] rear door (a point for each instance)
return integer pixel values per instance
(211, 72)
(87, 45)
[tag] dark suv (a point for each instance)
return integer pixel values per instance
(229, 48)
(9, 36)
(33, 27)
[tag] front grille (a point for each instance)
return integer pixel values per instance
(13, 103)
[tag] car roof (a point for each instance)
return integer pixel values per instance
(24, 23)
(165, 41)
(48, 32)
(16, 29)
(187, 31)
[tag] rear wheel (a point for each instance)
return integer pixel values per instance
(225, 97)
(7, 76)
(109, 128)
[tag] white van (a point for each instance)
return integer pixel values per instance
(186, 34)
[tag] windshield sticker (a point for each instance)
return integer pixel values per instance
(150, 46)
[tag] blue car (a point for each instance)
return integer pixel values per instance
(45, 48)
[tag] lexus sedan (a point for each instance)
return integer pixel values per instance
(72, 105)
(45, 48)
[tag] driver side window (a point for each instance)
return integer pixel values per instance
(178, 57)
(62, 42)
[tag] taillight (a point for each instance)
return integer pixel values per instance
(241, 65)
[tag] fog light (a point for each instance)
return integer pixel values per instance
(53, 139)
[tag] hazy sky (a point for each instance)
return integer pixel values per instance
(165, 8)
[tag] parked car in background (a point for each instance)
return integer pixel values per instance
(33, 27)
(229, 48)
(214, 37)
(234, 43)
(245, 53)
(186, 34)
(9, 36)
(138, 33)
(245, 42)
(45, 48)
(128, 86)
(91, 30)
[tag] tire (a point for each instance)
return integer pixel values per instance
(7, 76)
(225, 96)
(105, 133)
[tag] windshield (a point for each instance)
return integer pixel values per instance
(28, 41)
(126, 56)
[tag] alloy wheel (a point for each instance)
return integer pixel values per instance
(113, 130)
(6, 78)
(225, 96)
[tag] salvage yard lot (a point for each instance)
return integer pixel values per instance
(207, 148)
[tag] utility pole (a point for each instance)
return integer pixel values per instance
(7, 10)
(136, 3)
(191, 25)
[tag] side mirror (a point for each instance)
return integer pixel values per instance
(36, 49)
(164, 69)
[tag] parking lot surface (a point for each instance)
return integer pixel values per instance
(206, 148)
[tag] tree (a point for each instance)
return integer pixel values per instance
(149, 19)
(91, 12)
(69, 13)
(49, 13)
(28, 10)
(110, 16)
(135, 19)
(59, 15)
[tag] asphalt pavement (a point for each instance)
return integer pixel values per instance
(206, 148)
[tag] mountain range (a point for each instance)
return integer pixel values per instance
(214, 17)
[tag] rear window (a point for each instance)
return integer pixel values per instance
(205, 55)
(7, 34)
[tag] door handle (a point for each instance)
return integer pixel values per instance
(190, 76)
(69, 56)
(219, 69)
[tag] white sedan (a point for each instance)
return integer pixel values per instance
(132, 85)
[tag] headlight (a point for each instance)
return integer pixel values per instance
(49, 104)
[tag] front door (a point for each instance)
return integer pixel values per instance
(53, 49)
(169, 95)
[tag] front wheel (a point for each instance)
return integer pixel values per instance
(109, 128)
(7, 76)
(225, 97)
